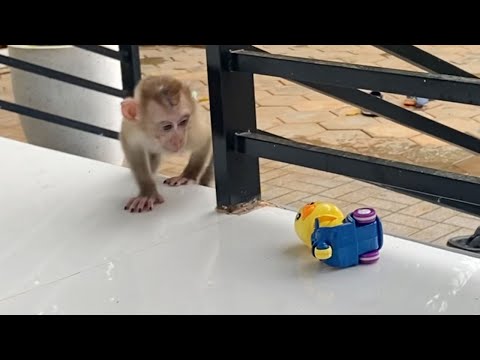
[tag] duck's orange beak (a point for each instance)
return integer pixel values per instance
(327, 218)
(307, 210)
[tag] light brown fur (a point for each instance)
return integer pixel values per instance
(154, 126)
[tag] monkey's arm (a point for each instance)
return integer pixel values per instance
(139, 162)
(207, 174)
(198, 159)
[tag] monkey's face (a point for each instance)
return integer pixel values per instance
(169, 127)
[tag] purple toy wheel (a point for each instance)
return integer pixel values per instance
(365, 215)
(370, 257)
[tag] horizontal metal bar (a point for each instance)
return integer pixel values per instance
(453, 204)
(396, 175)
(61, 76)
(56, 119)
(432, 86)
(424, 60)
(400, 115)
(100, 50)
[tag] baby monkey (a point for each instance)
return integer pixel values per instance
(163, 118)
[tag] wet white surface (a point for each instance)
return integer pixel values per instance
(68, 247)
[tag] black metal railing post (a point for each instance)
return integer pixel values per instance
(232, 110)
(238, 144)
(131, 70)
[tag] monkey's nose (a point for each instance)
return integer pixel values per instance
(177, 143)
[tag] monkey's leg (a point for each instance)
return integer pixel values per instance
(192, 170)
(207, 174)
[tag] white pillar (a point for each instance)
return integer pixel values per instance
(68, 100)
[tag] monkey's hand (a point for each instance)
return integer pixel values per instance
(179, 180)
(144, 203)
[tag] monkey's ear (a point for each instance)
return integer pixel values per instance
(130, 109)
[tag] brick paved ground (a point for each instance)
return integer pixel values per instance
(294, 112)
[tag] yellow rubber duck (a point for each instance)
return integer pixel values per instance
(327, 214)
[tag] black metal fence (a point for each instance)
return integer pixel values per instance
(128, 55)
(238, 144)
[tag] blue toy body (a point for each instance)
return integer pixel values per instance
(348, 241)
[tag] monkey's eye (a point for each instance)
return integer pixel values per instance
(183, 123)
(167, 127)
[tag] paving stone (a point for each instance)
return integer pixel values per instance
(440, 214)
(442, 241)
(290, 197)
(339, 137)
(419, 209)
(462, 221)
(393, 130)
(293, 131)
(382, 204)
(397, 229)
(280, 100)
(357, 122)
(274, 192)
(427, 140)
(434, 232)
(470, 166)
(297, 117)
(411, 221)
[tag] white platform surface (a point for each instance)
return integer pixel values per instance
(68, 247)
